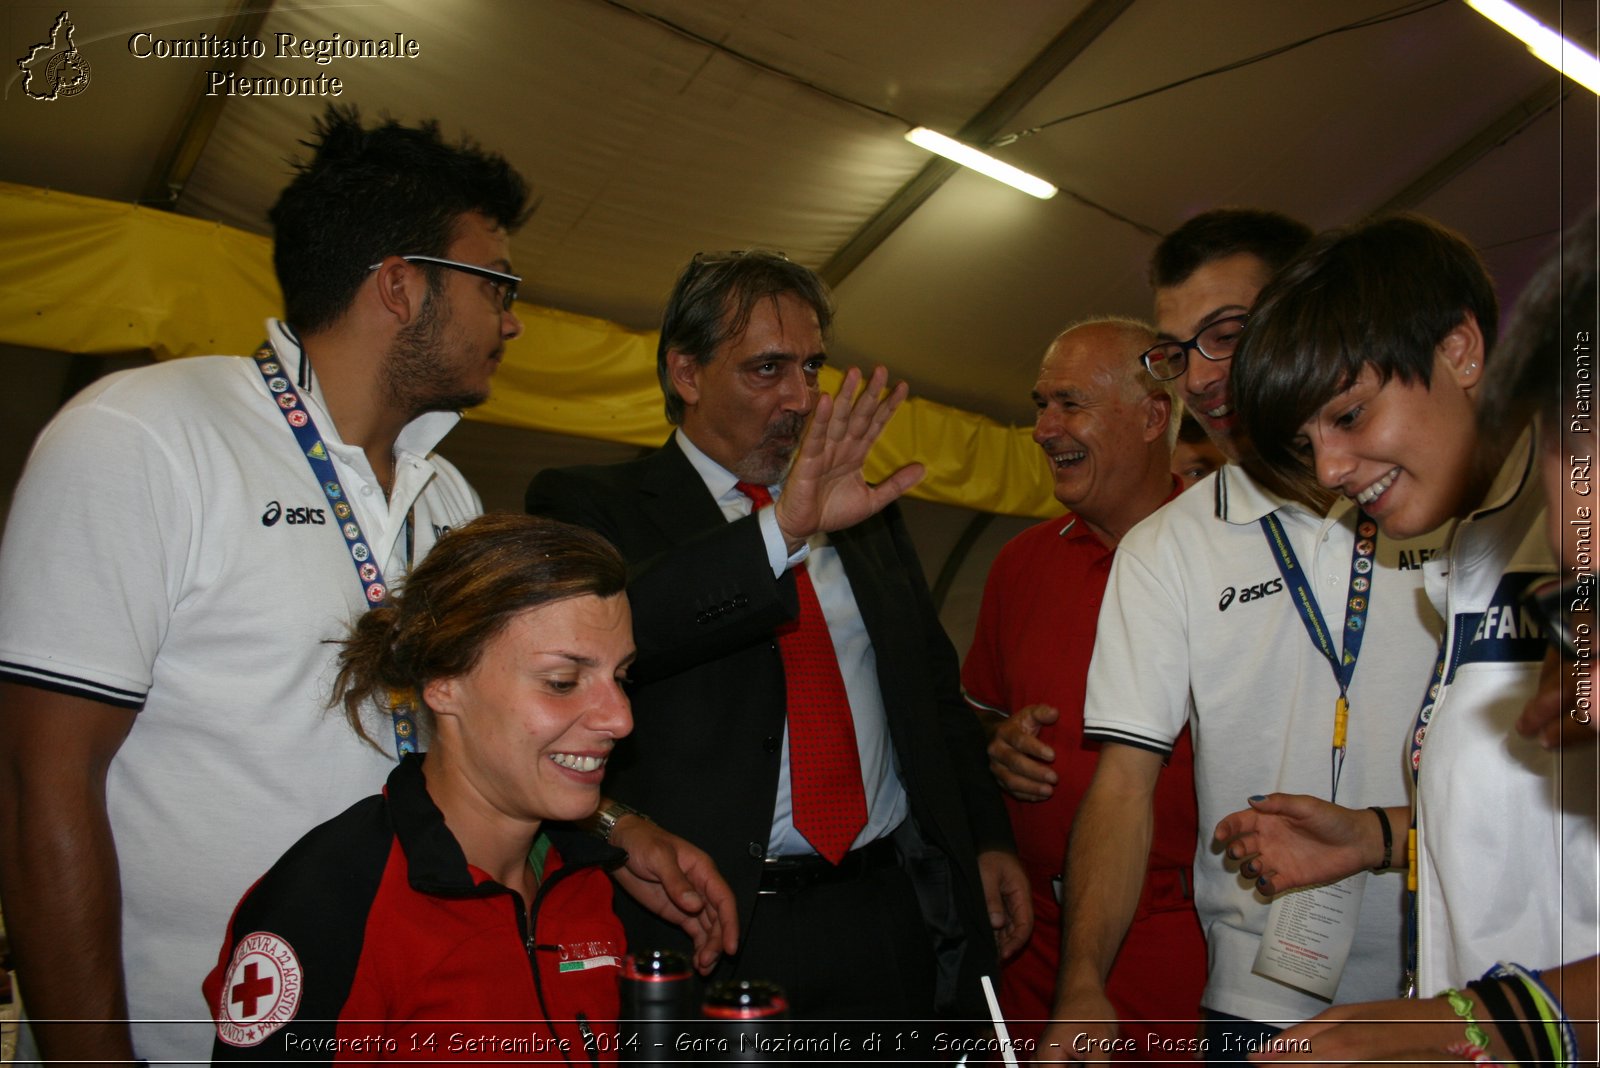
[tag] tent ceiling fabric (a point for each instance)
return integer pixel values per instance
(656, 128)
(92, 276)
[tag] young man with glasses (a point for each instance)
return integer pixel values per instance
(796, 704)
(185, 543)
(1202, 624)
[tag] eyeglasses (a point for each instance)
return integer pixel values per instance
(712, 259)
(705, 261)
(505, 285)
(1216, 342)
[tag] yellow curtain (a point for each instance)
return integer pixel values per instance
(81, 275)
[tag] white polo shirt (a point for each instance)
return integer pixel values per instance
(170, 550)
(1197, 626)
(1506, 829)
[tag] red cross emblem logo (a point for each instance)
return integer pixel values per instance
(252, 989)
(261, 992)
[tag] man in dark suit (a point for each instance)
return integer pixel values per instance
(797, 705)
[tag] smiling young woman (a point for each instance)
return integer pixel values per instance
(449, 897)
(1364, 362)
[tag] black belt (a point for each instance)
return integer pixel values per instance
(779, 874)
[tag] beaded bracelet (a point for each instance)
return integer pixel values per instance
(1462, 1006)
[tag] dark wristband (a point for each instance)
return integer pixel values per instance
(1388, 836)
(1508, 1023)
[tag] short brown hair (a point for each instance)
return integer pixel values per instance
(1269, 236)
(1379, 294)
(467, 589)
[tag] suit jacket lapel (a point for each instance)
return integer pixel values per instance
(674, 496)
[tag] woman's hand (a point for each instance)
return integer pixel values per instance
(1287, 841)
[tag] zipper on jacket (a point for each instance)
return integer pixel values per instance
(531, 946)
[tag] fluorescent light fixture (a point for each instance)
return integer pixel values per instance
(967, 156)
(1570, 59)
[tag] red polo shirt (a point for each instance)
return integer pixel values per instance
(1034, 638)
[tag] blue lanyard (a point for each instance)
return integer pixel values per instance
(1305, 601)
(362, 558)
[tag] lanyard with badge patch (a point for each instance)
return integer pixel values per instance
(1359, 595)
(368, 573)
(1308, 934)
(1418, 735)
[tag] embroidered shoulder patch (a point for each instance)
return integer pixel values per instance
(261, 992)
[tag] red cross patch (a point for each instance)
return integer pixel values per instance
(261, 991)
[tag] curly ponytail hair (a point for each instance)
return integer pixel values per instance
(475, 579)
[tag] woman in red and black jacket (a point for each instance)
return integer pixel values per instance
(444, 920)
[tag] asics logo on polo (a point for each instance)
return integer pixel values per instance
(1249, 593)
(276, 511)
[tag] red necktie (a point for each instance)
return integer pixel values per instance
(830, 807)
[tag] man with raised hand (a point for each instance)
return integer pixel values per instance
(797, 706)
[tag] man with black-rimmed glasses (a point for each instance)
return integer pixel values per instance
(1202, 624)
(186, 542)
